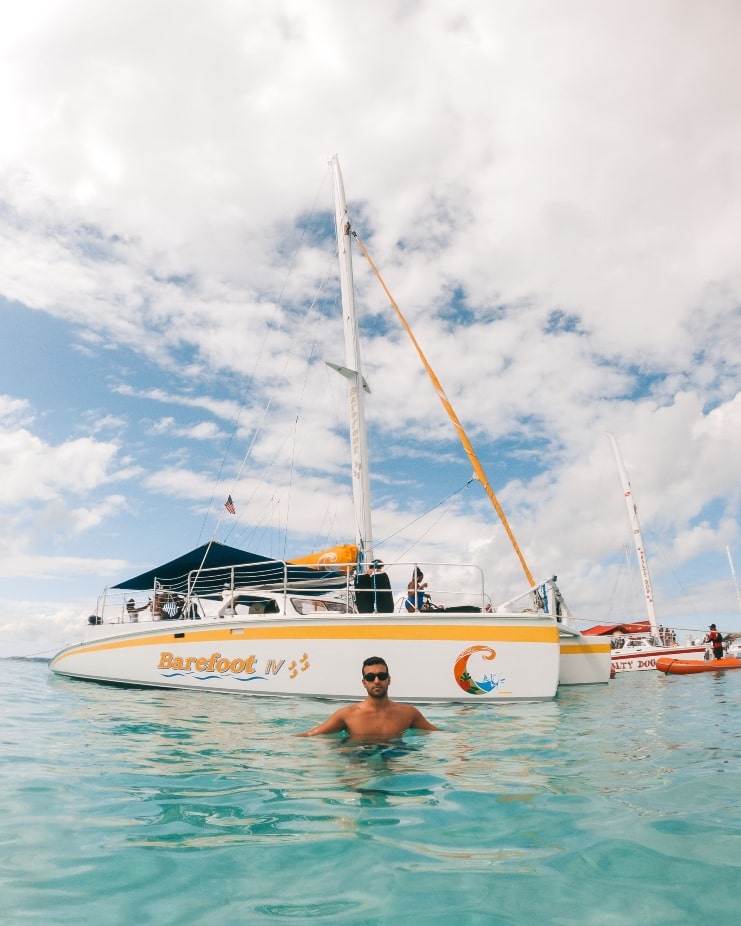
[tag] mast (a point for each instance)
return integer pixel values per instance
(637, 539)
(735, 580)
(352, 371)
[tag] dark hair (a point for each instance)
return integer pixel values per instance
(375, 661)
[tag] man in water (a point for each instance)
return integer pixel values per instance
(377, 716)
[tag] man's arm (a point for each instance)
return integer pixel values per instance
(420, 722)
(335, 724)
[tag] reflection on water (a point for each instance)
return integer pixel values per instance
(106, 794)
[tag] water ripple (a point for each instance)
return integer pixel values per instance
(616, 805)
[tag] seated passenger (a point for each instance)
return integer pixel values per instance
(166, 606)
(416, 596)
(172, 607)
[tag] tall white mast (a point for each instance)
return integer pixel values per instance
(735, 580)
(637, 539)
(353, 372)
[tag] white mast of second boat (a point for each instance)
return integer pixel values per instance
(353, 373)
(637, 539)
(735, 580)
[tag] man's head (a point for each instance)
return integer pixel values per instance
(376, 676)
(712, 627)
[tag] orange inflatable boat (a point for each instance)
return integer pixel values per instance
(670, 666)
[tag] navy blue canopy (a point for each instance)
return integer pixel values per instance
(220, 556)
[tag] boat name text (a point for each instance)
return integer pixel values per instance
(222, 665)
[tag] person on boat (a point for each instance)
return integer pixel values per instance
(715, 639)
(167, 606)
(417, 598)
(131, 607)
(377, 716)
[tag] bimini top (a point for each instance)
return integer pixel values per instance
(258, 570)
(603, 630)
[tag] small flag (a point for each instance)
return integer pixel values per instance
(229, 505)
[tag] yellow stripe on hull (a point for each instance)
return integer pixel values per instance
(584, 661)
(412, 632)
(574, 648)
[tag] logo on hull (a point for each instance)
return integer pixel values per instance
(483, 682)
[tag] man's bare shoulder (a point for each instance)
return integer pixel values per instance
(335, 724)
(417, 719)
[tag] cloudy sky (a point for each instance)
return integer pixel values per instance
(552, 192)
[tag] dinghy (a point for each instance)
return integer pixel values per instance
(670, 666)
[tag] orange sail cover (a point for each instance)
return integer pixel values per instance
(344, 554)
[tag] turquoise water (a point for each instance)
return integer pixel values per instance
(615, 804)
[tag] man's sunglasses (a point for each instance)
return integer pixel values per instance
(372, 676)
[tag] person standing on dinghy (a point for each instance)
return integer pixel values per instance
(715, 639)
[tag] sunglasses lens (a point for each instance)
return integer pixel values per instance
(372, 676)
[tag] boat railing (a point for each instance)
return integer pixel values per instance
(449, 586)
(280, 579)
(215, 592)
(544, 598)
(444, 586)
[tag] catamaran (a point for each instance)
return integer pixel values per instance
(222, 619)
(638, 651)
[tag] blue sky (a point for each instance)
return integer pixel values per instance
(551, 194)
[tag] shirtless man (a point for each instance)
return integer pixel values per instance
(377, 716)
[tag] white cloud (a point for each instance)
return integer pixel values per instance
(39, 567)
(32, 471)
(15, 412)
(203, 430)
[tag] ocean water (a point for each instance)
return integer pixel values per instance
(612, 804)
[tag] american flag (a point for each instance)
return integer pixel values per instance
(229, 505)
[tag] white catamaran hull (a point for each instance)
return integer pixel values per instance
(458, 658)
(584, 660)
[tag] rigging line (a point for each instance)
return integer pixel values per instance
(463, 437)
(261, 523)
(39, 653)
(424, 514)
(278, 383)
(686, 592)
(246, 504)
(407, 553)
(618, 578)
(261, 349)
(295, 426)
(328, 530)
